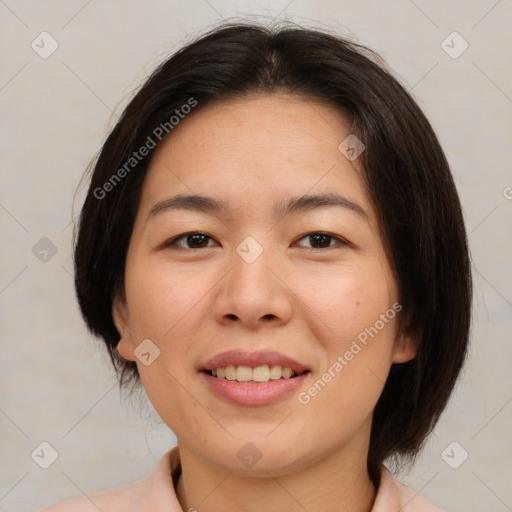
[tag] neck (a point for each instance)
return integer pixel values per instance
(337, 482)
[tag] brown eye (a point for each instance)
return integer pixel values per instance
(197, 240)
(191, 241)
(322, 240)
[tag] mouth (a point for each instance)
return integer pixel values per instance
(253, 378)
(254, 375)
(257, 367)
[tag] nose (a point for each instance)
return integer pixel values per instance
(253, 295)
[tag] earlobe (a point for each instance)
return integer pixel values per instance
(405, 349)
(121, 321)
(125, 349)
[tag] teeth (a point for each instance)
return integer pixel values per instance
(243, 373)
(287, 373)
(275, 372)
(230, 372)
(262, 373)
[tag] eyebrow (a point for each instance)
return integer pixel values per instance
(310, 202)
(212, 205)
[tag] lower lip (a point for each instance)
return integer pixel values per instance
(241, 393)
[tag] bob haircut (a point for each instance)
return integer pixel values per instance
(404, 169)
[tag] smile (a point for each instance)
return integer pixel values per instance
(258, 374)
(253, 378)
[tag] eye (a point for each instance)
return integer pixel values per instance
(194, 240)
(322, 240)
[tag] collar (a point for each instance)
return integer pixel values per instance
(154, 492)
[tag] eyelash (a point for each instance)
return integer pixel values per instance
(341, 241)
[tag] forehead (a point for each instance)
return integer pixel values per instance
(257, 148)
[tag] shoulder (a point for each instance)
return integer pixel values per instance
(152, 491)
(115, 500)
(393, 495)
(413, 501)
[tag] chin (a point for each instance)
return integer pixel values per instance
(255, 454)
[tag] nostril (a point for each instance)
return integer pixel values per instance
(231, 316)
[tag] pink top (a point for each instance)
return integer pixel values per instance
(153, 493)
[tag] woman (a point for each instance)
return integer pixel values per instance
(273, 246)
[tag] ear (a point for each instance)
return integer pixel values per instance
(406, 347)
(121, 319)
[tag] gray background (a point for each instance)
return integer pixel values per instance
(56, 382)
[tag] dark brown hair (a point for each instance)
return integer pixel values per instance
(406, 173)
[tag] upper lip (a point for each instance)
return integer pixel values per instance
(261, 357)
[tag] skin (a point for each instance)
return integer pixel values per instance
(305, 302)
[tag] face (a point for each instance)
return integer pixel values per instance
(263, 322)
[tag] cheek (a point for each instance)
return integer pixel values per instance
(343, 304)
(162, 301)
(352, 316)
(165, 306)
